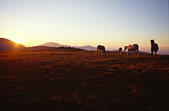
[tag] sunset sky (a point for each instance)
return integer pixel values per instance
(113, 23)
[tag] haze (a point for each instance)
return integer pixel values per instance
(113, 23)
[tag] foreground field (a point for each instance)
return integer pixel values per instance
(70, 80)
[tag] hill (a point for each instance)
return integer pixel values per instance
(53, 44)
(87, 47)
(46, 48)
(35, 48)
(8, 45)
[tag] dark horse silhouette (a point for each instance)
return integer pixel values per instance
(100, 50)
(154, 47)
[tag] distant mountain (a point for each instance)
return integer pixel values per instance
(8, 45)
(87, 47)
(53, 44)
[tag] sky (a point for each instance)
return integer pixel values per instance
(113, 23)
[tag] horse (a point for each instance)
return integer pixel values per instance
(132, 48)
(120, 49)
(154, 47)
(100, 50)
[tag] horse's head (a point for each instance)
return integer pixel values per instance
(120, 49)
(152, 41)
(125, 48)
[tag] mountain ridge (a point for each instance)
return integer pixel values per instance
(54, 44)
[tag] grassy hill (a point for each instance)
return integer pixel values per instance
(8, 45)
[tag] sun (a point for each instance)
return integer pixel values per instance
(17, 40)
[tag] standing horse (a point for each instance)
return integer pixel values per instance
(100, 50)
(154, 47)
(132, 48)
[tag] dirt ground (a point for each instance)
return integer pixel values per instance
(70, 80)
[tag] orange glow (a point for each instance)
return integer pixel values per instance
(17, 40)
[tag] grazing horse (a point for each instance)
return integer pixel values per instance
(120, 49)
(100, 50)
(154, 47)
(132, 48)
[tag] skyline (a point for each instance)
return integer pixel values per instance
(113, 23)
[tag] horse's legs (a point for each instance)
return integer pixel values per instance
(135, 52)
(127, 54)
(96, 53)
(151, 52)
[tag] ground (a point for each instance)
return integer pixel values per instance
(76, 80)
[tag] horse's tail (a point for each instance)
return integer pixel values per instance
(138, 48)
(103, 48)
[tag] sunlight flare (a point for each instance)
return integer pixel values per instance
(17, 40)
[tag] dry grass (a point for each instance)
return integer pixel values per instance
(70, 80)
